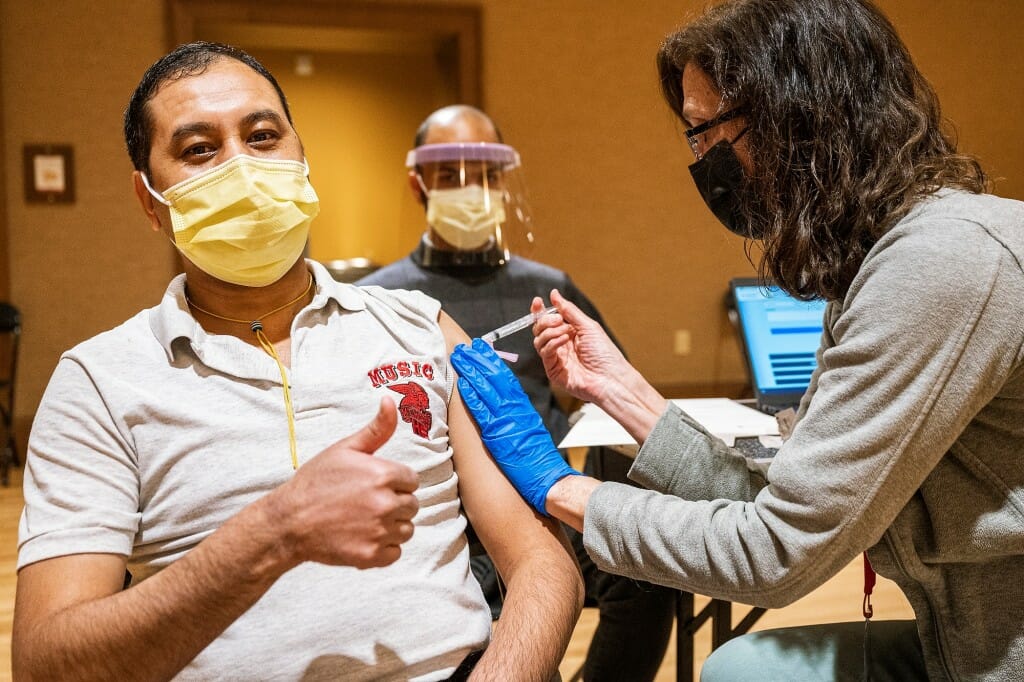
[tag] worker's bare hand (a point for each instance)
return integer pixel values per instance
(579, 357)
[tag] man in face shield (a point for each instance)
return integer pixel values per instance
(465, 188)
(477, 218)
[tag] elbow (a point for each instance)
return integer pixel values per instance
(21, 665)
(581, 592)
(20, 672)
(782, 590)
(565, 575)
(775, 599)
(572, 586)
(573, 570)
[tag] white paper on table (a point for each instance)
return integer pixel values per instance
(722, 417)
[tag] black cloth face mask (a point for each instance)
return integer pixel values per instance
(719, 177)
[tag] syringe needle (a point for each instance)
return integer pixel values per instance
(515, 325)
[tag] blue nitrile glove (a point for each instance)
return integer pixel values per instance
(511, 429)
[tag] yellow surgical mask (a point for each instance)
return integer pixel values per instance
(245, 221)
(466, 217)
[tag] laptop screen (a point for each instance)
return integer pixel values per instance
(780, 336)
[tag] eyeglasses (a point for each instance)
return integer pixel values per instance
(692, 134)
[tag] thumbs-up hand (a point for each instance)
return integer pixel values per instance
(347, 507)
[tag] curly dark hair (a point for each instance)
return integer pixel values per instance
(190, 59)
(845, 134)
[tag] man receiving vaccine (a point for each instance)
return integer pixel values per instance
(478, 225)
(223, 488)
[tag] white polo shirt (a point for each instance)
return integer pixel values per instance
(152, 435)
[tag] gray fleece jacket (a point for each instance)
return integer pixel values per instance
(910, 445)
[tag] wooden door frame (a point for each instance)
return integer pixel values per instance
(457, 26)
(5, 251)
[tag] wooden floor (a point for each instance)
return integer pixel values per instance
(11, 503)
(837, 600)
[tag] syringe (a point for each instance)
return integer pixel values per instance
(515, 325)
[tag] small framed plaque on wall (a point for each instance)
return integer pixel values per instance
(49, 173)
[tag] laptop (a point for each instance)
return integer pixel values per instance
(780, 336)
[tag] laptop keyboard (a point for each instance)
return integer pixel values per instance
(752, 447)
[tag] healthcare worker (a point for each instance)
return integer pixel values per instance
(815, 134)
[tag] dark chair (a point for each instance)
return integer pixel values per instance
(350, 269)
(10, 335)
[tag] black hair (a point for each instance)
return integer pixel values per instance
(190, 59)
(845, 134)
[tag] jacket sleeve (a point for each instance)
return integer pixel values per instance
(924, 339)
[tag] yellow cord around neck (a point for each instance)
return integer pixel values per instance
(257, 328)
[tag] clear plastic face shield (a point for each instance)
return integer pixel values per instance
(476, 205)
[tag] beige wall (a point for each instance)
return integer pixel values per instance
(572, 84)
(607, 164)
(357, 117)
(68, 68)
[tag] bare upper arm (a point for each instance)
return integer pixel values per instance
(508, 528)
(55, 584)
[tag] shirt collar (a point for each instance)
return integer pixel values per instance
(172, 320)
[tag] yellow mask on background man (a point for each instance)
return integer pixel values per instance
(466, 217)
(245, 221)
